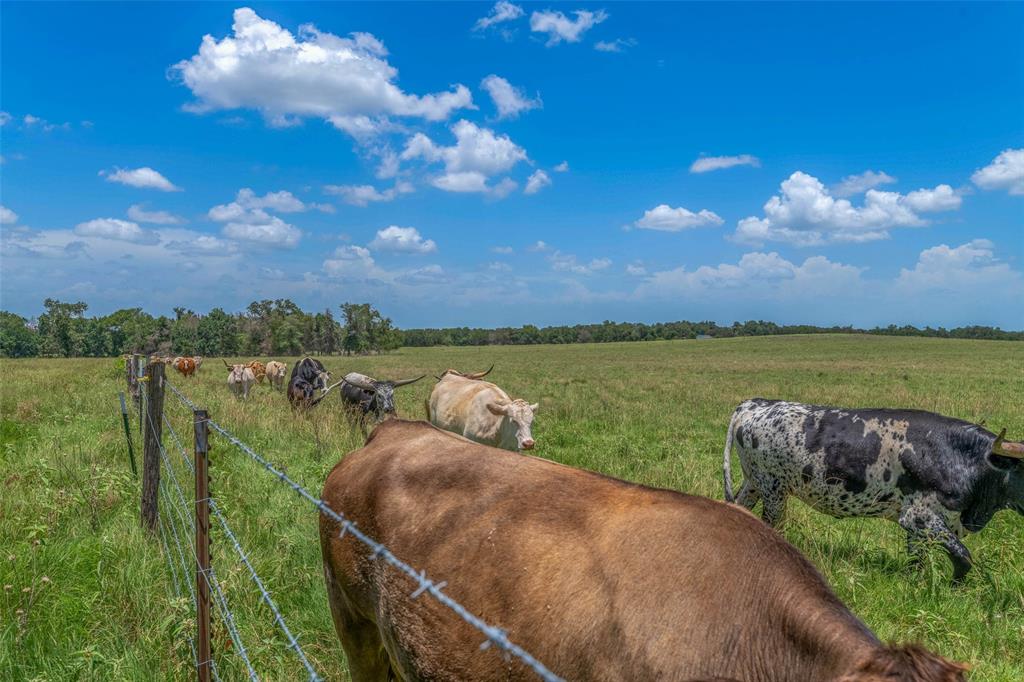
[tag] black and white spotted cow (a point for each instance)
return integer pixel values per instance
(936, 476)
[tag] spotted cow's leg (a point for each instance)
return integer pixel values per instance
(774, 510)
(748, 495)
(922, 525)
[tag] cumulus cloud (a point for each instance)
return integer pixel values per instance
(7, 216)
(113, 228)
(509, 100)
(636, 269)
(402, 240)
(538, 246)
(501, 12)
(562, 167)
(667, 219)
(139, 214)
(347, 81)
(561, 28)
(971, 267)
(1005, 172)
(271, 231)
(430, 274)
(350, 261)
(363, 195)
(536, 182)
(31, 121)
(617, 45)
(477, 154)
(567, 262)
(706, 164)
(145, 178)
(805, 214)
(5, 118)
(858, 184)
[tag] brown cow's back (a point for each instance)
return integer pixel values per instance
(598, 578)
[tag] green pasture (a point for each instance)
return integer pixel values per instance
(87, 595)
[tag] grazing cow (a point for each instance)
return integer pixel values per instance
(598, 578)
(308, 376)
(240, 379)
(259, 370)
(480, 411)
(366, 397)
(936, 476)
(276, 372)
(185, 366)
(199, 361)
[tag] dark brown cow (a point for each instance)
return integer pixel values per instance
(598, 578)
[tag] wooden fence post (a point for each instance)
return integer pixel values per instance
(127, 433)
(199, 418)
(154, 415)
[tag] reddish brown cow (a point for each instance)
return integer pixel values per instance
(186, 366)
(259, 370)
(598, 578)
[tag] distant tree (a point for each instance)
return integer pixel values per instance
(17, 339)
(62, 328)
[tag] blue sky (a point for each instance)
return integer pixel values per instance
(479, 164)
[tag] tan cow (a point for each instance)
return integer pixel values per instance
(480, 411)
(259, 370)
(198, 359)
(240, 379)
(276, 372)
(598, 578)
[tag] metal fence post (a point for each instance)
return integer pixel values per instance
(152, 443)
(127, 433)
(199, 419)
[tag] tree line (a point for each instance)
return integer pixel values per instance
(280, 328)
(269, 327)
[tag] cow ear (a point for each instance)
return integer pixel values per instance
(535, 407)
(495, 408)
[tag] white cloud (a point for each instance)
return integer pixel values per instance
(402, 240)
(113, 228)
(31, 121)
(567, 262)
(766, 274)
(970, 267)
(502, 249)
(139, 214)
(347, 81)
(362, 195)
(469, 181)
(475, 150)
(430, 274)
(617, 45)
(202, 245)
(1005, 172)
(508, 99)
(712, 163)
(536, 182)
(144, 177)
(562, 167)
(499, 266)
(501, 12)
(805, 214)
(5, 118)
(270, 232)
(858, 184)
(350, 261)
(7, 216)
(667, 219)
(561, 28)
(636, 269)
(249, 207)
(538, 246)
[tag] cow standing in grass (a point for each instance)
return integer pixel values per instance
(480, 411)
(240, 379)
(259, 370)
(599, 579)
(366, 398)
(308, 377)
(937, 477)
(185, 366)
(276, 372)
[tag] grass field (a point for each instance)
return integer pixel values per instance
(85, 591)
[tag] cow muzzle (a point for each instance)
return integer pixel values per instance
(527, 444)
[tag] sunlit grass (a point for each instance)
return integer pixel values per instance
(655, 413)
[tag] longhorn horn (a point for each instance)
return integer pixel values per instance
(226, 363)
(480, 375)
(329, 388)
(1004, 449)
(396, 384)
(360, 381)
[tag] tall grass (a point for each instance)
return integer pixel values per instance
(86, 591)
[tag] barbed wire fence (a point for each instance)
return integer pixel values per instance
(179, 525)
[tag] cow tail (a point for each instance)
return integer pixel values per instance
(726, 457)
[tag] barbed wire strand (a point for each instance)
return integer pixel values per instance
(495, 636)
(265, 594)
(210, 576)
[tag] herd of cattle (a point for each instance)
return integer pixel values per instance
(604, 579)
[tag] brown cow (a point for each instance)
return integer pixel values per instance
(598, 578)
(259, 370)
(186, 366)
